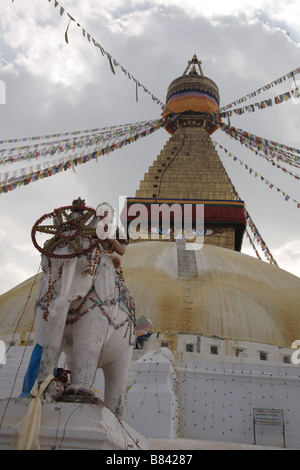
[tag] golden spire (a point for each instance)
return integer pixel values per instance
(192, 65)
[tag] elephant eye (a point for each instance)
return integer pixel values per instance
(88, 270)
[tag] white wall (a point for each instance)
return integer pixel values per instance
(217, 400)
(225, 348)
(214, 400)
(210, 397)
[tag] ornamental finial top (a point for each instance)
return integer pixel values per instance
(192, 66)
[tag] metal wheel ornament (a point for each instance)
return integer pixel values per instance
(69, 226)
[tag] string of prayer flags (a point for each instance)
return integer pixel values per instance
(51, 136)
(112, 62)
(44, 146)
(18, 177)
(262, 104)
(270, 150)
(252, 244)
(259, 240)
(256, 174)
(257, 236)
(120, 127)
(262, 89)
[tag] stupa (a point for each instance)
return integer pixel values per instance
(216, 290)
(222, 322)
(228, 319)
(188, 170)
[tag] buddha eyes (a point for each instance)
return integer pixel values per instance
(161, 230)
(195, 232)
(205, 232)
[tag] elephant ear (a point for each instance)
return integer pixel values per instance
(105, 280)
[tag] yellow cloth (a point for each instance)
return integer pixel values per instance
(27, 431)
(179, 104)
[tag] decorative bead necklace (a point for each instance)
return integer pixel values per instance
(94, 260)
(44, 301)
(75, 314)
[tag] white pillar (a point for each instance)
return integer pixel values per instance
(152, 403)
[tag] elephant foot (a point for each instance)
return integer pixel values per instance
(80, 399)
(79, 395)
(72, 390)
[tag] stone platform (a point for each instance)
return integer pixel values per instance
(71, 426)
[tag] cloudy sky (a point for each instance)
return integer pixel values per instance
(52, 87)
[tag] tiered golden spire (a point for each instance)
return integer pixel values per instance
(192, 65)
(188, 169)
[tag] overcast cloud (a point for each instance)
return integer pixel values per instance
(56, 87)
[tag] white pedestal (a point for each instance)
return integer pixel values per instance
(152, 404)
(72, 426)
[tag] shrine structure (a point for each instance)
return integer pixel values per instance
(221, 324)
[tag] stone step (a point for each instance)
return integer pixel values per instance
(186, 262)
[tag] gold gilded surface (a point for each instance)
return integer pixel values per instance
(17, 308)
(188, 167)
(193, 82)
(234, 296)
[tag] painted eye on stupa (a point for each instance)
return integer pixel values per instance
(206, 232)
(161, 230)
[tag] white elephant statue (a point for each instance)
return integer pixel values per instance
(84, 309)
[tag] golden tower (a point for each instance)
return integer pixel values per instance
(188, 169)
(215, 291)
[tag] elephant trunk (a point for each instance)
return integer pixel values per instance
(61, 303)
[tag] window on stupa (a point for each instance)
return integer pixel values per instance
(263, 356)
(238, 351)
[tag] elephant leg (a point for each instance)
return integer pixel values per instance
(55, 327)
(115, 375)
(52, 348)
(89, 335)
